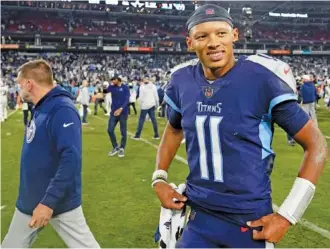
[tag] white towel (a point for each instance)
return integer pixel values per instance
(171, 223)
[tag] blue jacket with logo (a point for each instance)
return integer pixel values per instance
(308, 93)
(51, 156)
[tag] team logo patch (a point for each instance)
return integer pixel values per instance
(209, 11)
(208, 92)
(167, 224)
(30, 131)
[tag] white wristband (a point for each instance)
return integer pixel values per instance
(298, 200)
(159, 174)
(156, 181)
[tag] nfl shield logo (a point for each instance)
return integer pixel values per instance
(208, 92)
(209, 11)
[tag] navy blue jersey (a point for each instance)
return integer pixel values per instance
(228, 129)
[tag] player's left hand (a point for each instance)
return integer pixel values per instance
(41, 216)
(118, 112)
(274, 227)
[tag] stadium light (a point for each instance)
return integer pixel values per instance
(293, 15)
(112, 2)
(247, 12)
(94, 1)
(151, 5)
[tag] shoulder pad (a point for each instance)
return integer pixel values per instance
(278, 67)
(192, 62)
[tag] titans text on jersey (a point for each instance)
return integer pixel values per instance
(208, 108)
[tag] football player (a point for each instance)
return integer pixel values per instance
(226, 110)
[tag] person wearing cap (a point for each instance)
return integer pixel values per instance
(309, 96)
(119, 113)
(226, 110)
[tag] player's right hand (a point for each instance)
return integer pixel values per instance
(167, 194)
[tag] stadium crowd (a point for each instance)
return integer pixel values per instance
(71, 69)
(75, 67)
(247, 97)
(17, 21)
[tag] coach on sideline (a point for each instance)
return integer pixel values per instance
(50, 172)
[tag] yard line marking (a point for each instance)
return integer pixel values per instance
(12, 113)
(99, 117)
(325, 233)
(2, 207)
(181, 159)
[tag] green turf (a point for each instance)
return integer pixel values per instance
(118, 202)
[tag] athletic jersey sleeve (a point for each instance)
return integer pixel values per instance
(281, 87)
(174, 118)
(290, 117)
(172, 97)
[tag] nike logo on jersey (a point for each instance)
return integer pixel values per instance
(286, 70)
(244, 229)
(67, 125)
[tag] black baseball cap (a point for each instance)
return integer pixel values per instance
(208, 13)
(115, 77)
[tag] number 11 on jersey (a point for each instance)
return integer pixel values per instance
(215, 147)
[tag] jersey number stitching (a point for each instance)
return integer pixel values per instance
(217, 159)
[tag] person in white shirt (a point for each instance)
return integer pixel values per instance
(3, 101)
(107, 100)
(132, 99)
(149, 101)
(84, 99)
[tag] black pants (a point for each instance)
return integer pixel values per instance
(84, 119)
(134, 108)
(162, 111)
(26, 118)
(99, 102)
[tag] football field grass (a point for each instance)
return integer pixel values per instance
(119, 204)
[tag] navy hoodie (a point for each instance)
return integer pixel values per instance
(308, 93)
(51, 156)
(119, 97)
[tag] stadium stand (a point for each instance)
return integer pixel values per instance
(135, 40)
(142, 41)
